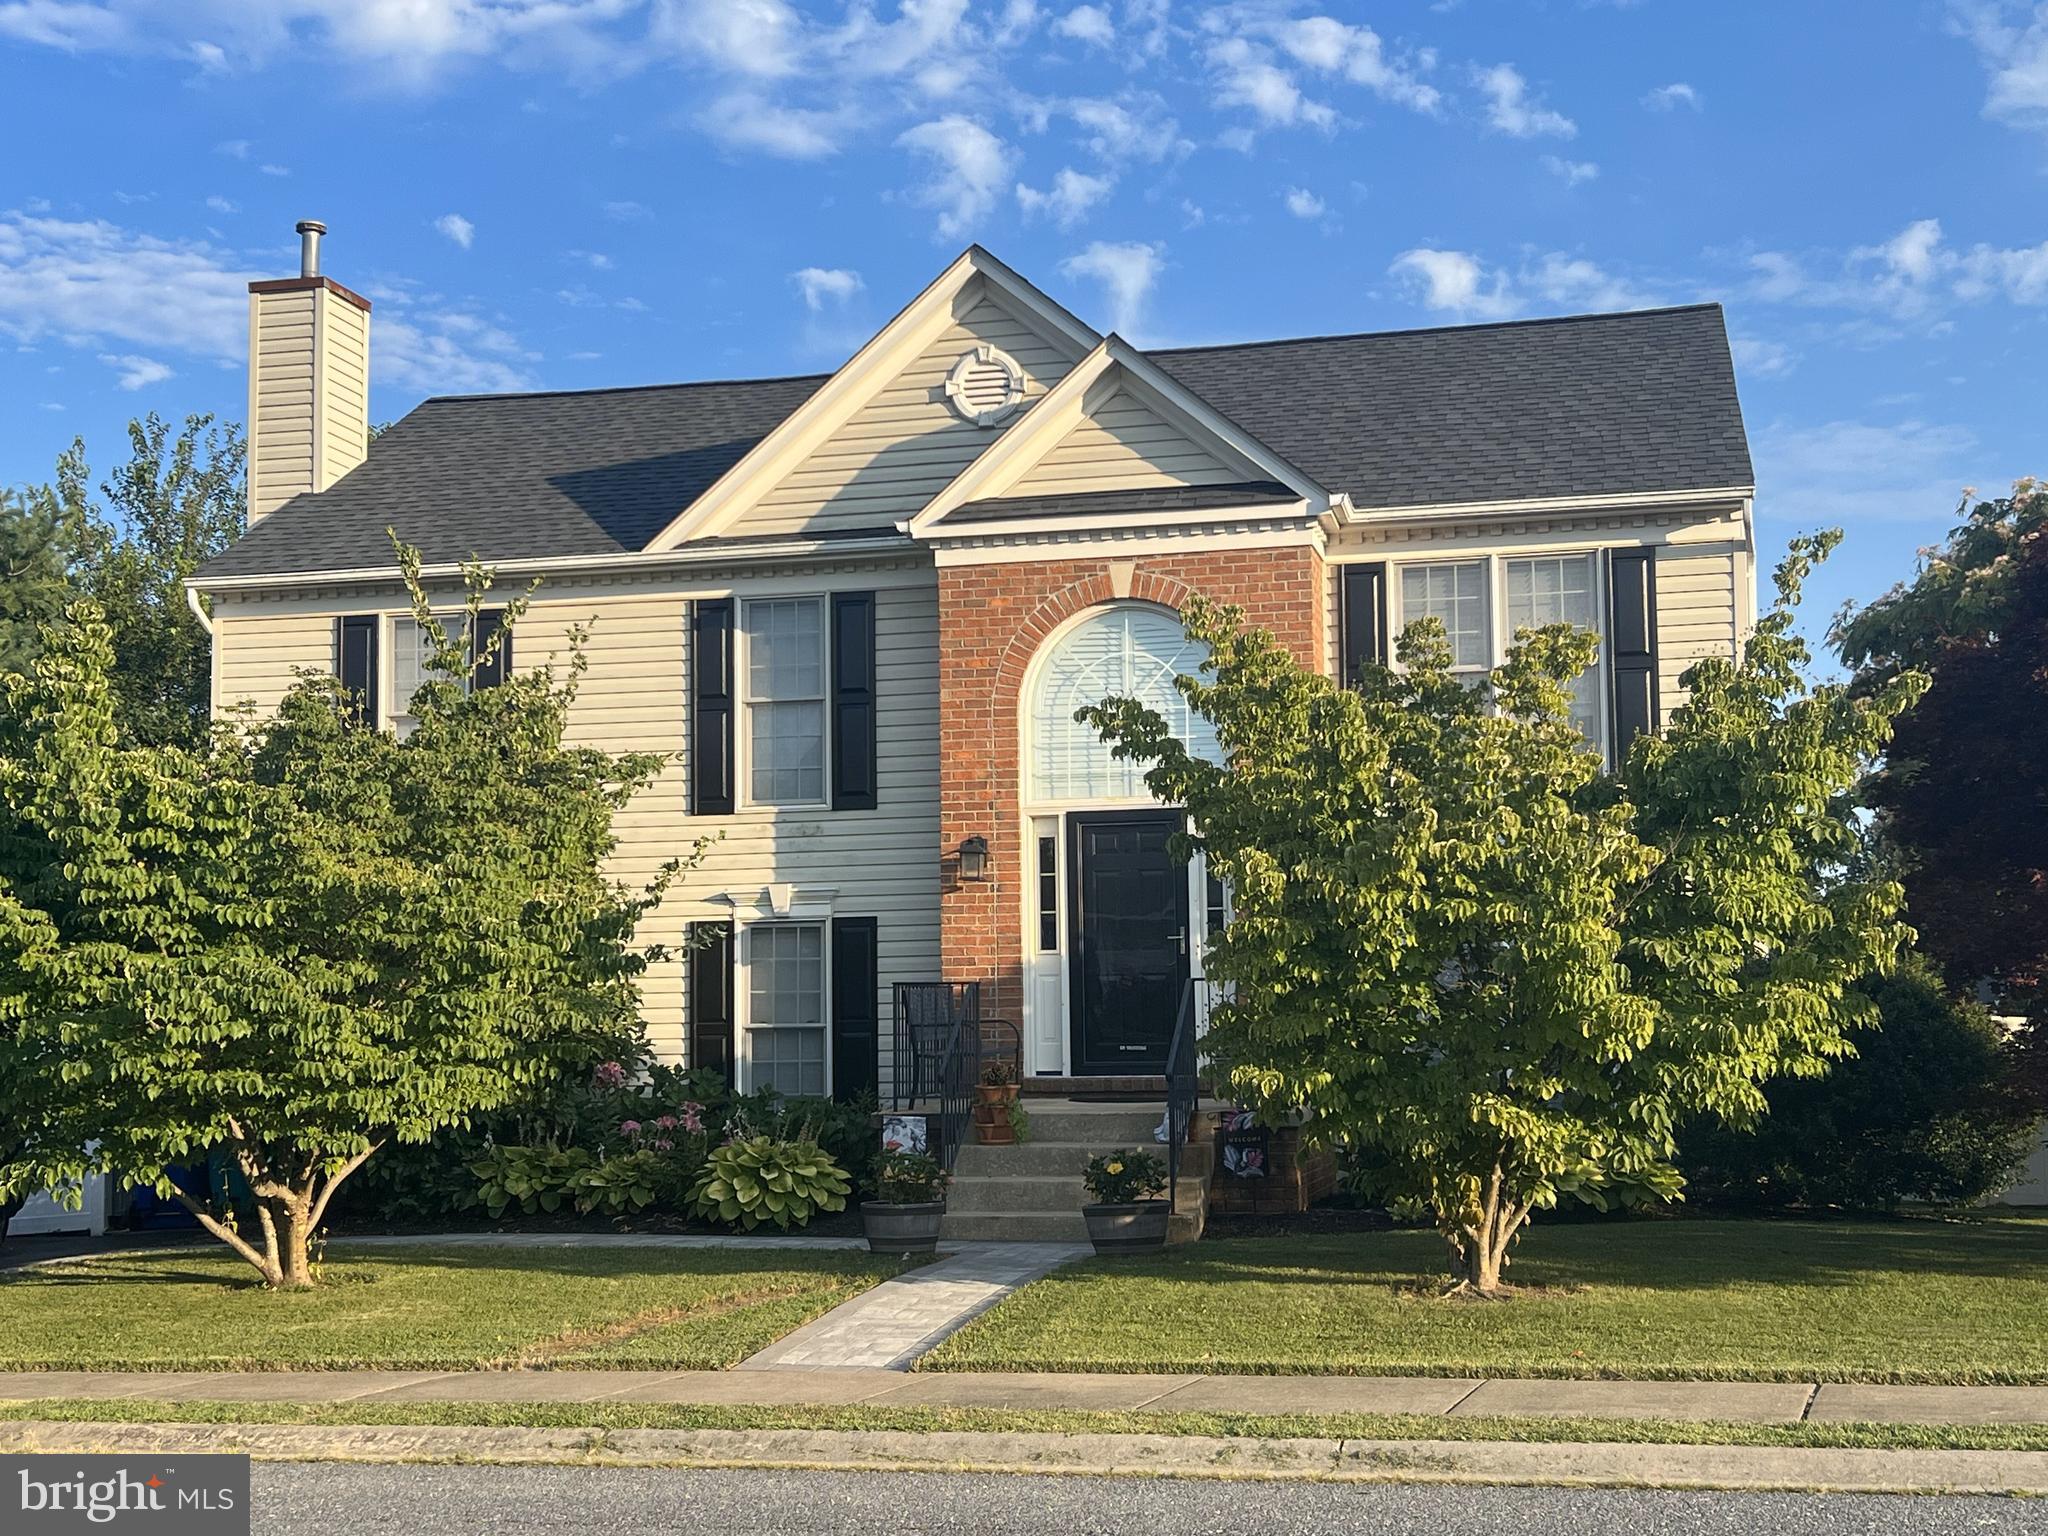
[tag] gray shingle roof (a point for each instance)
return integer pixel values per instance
(1587, 406)
(510, 477)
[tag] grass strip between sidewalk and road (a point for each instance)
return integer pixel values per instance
(1907, 1301)
(425, 1308)
(1348, 1426)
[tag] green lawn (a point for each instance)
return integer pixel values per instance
(1907, 1301)
(424, 1309)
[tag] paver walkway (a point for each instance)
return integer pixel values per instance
(890, 1326)
(1691, 1401)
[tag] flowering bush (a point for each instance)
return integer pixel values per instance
(910, 1178)
(1124, 1176)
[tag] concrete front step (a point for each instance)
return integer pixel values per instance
(1013, 1226)
(1100, 1126)
(1036, 1159)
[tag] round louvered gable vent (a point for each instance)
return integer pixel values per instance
(985, 386)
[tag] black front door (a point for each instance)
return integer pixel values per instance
(1128, 958)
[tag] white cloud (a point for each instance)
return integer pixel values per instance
(1850, 473)
(137, 372)
(1455, 282)
(275, 170)
(1126, 271)
(74, 28)
(1303, 204)
(221, 204)
(1511, 109)
(1246, 76)
(748, 120)
(2015, 57)
(749, 37)
(456, 228)
(1072, 194)
(94, 285)
(1572, 282)
(1570, 172)
(1088, 24)
(1762, 359)
(1333, 47)
(968, 167)
(1912, 276)
(597, 261)
(1668, 98)
(626, 211)
(823, 285)
(1133, 127)
(234, 149)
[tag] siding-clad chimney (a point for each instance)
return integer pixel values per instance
(309, 381)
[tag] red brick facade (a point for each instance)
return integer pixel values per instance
(992, 620)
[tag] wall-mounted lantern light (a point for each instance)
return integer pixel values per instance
(974, 858)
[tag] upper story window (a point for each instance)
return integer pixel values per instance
(1130, 651)
(785, 700)
(412, 661)
(1481, 603)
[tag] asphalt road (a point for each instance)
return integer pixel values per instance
(325, 1499)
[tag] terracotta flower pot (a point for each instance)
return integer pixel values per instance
(992, 1126)
(904, 1228)
(1120, 1228)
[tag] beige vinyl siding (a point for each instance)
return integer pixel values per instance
(881, 863)
(1122, 445)
(281, 390)
(344, 402)
(906, 445)
(257, 648)
(1696, 612)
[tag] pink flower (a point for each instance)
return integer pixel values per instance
(693, 1118)
(666, 1123)
(629, 1127)
(663, 1145)
(610, 1075)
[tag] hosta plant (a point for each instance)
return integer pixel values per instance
(758, 1179)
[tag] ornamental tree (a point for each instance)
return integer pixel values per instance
(305, 940)
(1501, 972)
(1963, 794)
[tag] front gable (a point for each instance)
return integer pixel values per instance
(1119, 437)
(959, 367)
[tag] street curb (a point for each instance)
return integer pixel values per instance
(1357, 1461)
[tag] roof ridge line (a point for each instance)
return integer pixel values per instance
(626, 389)
(1587, 317)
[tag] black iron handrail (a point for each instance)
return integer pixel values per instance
(959, 1072)
(1181, 1090)
(937, 1058)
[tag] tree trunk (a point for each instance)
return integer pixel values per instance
(289, 1213)
(1480, 1239)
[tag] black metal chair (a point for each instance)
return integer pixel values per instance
(927, 1013)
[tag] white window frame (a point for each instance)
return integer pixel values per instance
(743, 688)
(743, 1001)
(1499, 636)
(1490, 643)
(396, 714)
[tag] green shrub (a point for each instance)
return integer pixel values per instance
(760, 1179)
(1123, 1176)
(1925, 1111)
(536, 1179)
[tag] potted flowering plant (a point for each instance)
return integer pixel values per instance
(996, 1112)
(1125, 1211)
(910, 1201)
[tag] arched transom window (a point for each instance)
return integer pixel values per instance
(1130, 651)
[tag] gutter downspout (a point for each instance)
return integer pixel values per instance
(192, 601)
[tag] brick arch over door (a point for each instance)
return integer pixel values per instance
(992, 620)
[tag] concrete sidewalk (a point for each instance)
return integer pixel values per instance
(1736, 1402)
(1238, 1458)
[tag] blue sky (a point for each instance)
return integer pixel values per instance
(568, 193)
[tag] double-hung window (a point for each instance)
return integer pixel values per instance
(786, 1007)
(412, 662)
(1454, 594)
(1482, 603)
(785, 700)
(1559, 589)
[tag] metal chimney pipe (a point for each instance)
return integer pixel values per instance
(310, 231)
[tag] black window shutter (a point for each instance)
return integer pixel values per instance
(1361, 618)
(856, 1034)
(355, 645)
(488, 673)
(853, 701)
(1632, 643)
(711, 711)
(710, 1000)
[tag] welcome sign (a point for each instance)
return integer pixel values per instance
(142, 1495)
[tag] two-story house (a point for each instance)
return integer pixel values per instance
(862, 607)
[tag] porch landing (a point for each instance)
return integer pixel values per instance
(1031, 1192)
